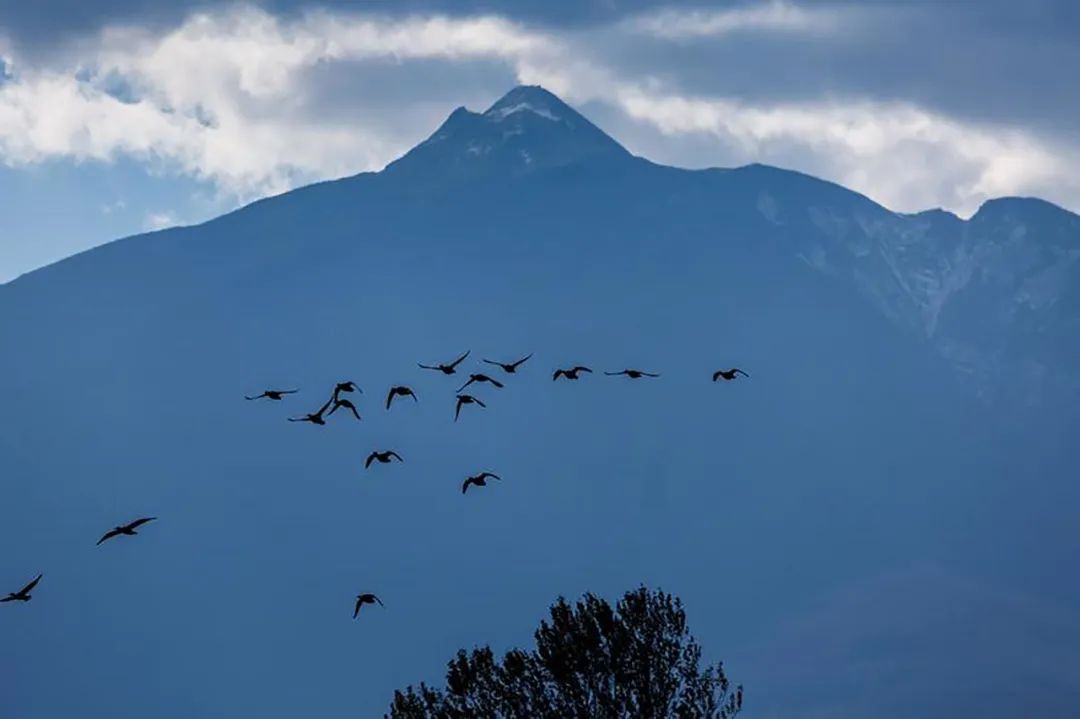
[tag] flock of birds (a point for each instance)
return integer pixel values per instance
(337, 402)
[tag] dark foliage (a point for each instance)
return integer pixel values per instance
(592, 661)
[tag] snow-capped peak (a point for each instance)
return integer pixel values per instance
(502, 113)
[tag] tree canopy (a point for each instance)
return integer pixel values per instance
(637, 660)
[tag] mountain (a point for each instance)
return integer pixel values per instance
(912, 397)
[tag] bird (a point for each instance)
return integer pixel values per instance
(570, 373)
(481, 378)
(479, 480)
(344, 404)
(510, 368)
(23, 595)
(728, 374)
(446, 368)
(127, 529)
(314, 417)
(632, 374)
(362, 599)
(346, 387)
(463, 399)
(382, 457)
(274, 394)
(401, 391)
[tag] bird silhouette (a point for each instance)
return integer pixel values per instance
(481, 378)
(479, 480)
(728, 374)
(343, 404)
(463, 399)
(274, 394)
(400, 391)
(511, 367)
(382, 458)
(314, 417)
(23, 595)
(572, 373)
(345, 387)
(362, 599)
(632, 374)
(446, 368)
(127, 529)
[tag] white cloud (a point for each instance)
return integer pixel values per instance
(111, 207)
(774, 16)
(160, 220)
(227, 97)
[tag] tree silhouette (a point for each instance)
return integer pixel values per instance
(636, 661)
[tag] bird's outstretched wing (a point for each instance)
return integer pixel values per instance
(378, 600)
(651, 374)
(389, 398)
(108, 535)
(462, 387)
(489, 474)
(465, 485)
(370, 459)
(457, 410)
(30, 587)
(615, 374)
(497, 364)
(479, 402)
(717, 375)
(139, 522)
(521, 361)
(739, 371)
(579, 368)
(459, 360)
(425, 366)
(356, 609)
(559, 373)
(396, 456)
(258, 396)
(495, 382)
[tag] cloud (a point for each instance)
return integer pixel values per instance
(237, 98)
(775, 16)
(160, 220)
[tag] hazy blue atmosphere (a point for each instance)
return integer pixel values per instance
(879, 521)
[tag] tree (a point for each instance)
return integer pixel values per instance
(636, 661)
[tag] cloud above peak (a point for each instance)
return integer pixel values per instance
(253, 103)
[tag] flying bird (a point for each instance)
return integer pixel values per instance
(510, 368)
(481, 378)
(346, 387)
(382, 458)
(479, 480)
(314, 417)
(572, 373)
(446, 368)
(127, 529)
(23, 595)
(399, 392)
(728, 374)
(343, 404)
(274, 394)
(632, 374)
(362, 599)
(463, 399)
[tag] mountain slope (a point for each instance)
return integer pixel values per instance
(853, 449)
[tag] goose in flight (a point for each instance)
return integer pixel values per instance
(463, 399)
(127, 529)
(274, 394)
(23, 595)
(632, 374)
(446, 368)
(572, 373)
(343, 404)
(314, 417)
(382, 457)
(479, 480)
(362, 599)
(511, 367)
(401, 391)
(346, 387)
(481, 378)
(728, 374)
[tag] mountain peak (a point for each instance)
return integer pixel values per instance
(527, 129)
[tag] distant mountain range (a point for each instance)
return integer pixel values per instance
(912, 397)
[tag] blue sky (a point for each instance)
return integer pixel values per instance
(122, 115)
